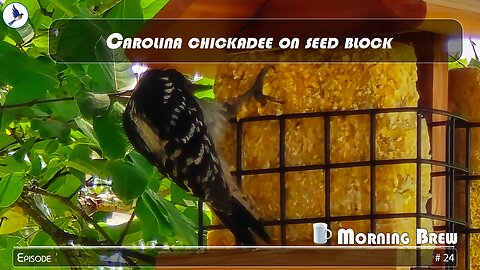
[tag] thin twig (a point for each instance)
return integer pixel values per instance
(123, 94)
(62, 172)
(34, 102)
(124, 233)
(456, 60)
(474, 50)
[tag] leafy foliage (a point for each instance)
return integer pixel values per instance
(60, 127)
(455, 61)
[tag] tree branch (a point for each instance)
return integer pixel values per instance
(129, 253)
(59, 236)
(124, 95)
(74, 207)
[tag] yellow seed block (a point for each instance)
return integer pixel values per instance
(475, 252)
(328, 87)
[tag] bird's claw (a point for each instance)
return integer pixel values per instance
(256, 91)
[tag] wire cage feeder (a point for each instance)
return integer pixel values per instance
(452, 173)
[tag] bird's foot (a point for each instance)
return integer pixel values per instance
(256, 91)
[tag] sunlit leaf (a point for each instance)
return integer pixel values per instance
(13, 220)
(152, 7)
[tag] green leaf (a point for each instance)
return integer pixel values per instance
(113, 73)
(9, 164)
(77, 72)
(142, 164)
(65, 110)
(36, 168)
(154, 221)
(7, 243)
(13, 220)
(192, 213)
(52, 146)
(474, 63)
(68, 47)
(101, 81)
(161, 209)
(42, 239)
(26, 147)
(80, 160)
(115, 231)
(3, 31)
(65, 185)
(87, 129)
(49, 128)
(180, 196)
(152, 7)
(5, 140)
(30, 78)
(126, 10)
(11, 186)
(98, 7)
(110, 133)
(92, 105)
(71, 9)
(454, 61)
(127, 181)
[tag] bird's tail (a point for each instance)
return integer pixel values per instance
(241, 222)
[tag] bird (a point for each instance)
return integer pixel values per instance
(16, 15)
(178, 133)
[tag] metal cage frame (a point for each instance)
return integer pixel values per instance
(452, 172)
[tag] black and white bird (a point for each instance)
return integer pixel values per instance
(177, 133)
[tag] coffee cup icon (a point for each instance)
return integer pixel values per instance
(321, 233)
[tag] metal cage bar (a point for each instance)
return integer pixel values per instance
(453, 172)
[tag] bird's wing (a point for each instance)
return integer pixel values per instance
(15, 12)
